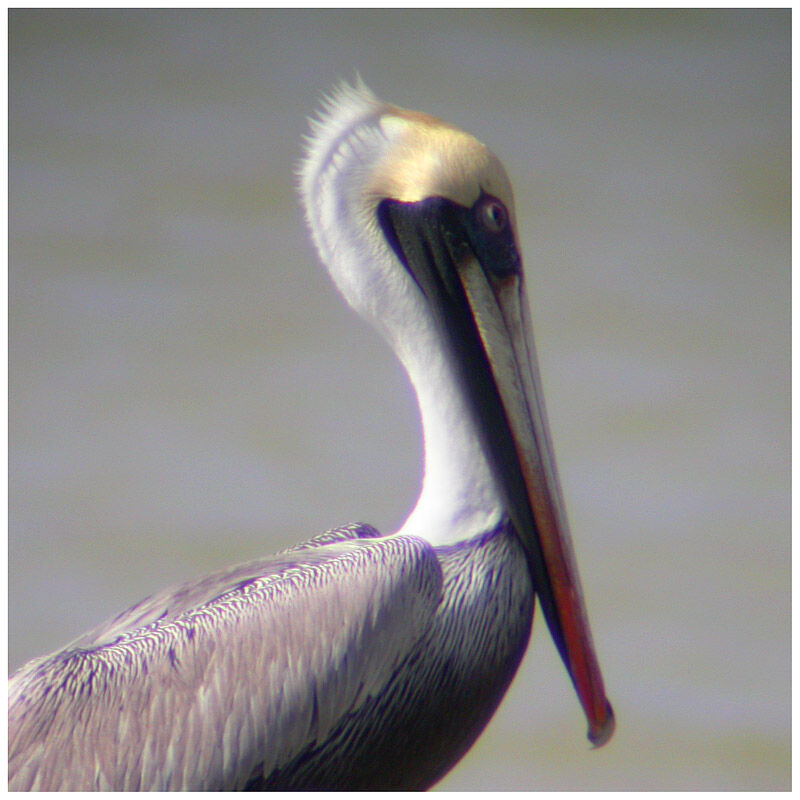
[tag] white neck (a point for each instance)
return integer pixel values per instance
(459, 497)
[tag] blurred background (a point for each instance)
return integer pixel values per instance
(187, 389)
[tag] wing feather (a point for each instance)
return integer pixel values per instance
(232, 676)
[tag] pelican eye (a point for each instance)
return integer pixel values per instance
(491, 237)
(492, 215)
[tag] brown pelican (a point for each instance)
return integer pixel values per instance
(356, 660)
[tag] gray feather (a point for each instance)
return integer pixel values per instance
(197, 687)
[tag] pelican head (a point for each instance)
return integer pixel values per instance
(414, 219)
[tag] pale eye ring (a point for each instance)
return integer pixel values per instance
(493, 216)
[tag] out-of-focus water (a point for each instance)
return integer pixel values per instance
(188, 391)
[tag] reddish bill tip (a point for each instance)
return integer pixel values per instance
(602, 730)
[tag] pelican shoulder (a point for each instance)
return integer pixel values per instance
(227, 677)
